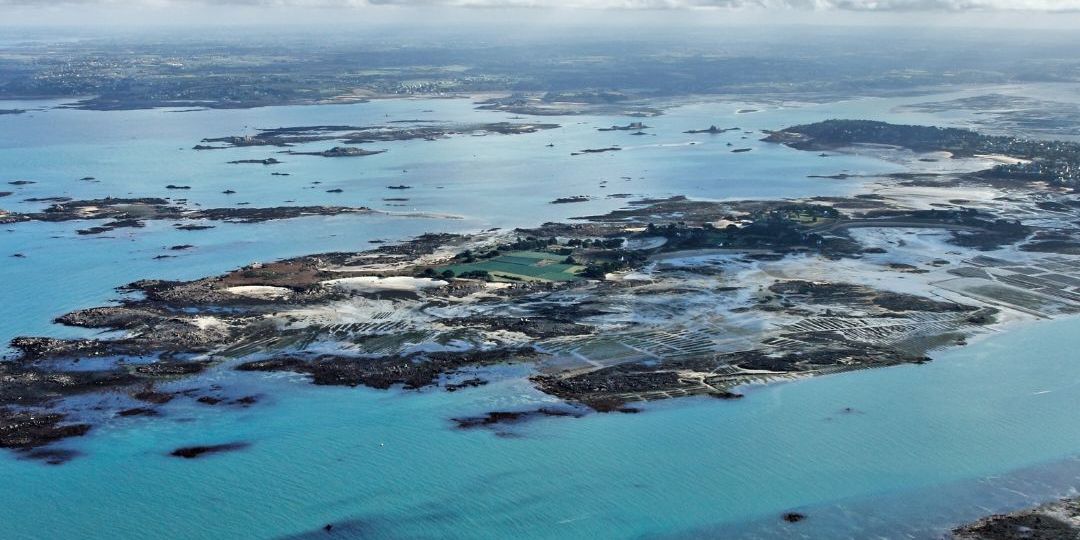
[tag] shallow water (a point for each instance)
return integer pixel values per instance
(987, 427)
(984, 428)
(492, 181)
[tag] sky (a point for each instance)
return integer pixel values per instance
(813, 5)
(996, 13)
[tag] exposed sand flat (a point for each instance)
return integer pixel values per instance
(941, 162)
(999, 158)
(207, 321)
(425, 215)
(649, 242)
(259, 291)
(924, 197)
(915, 247)
(692, 254)
(351, 311)
(395, 283)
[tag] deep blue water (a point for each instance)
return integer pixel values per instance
(984, 428)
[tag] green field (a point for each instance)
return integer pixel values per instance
(522, 266)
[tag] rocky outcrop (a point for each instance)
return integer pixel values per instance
(191, 452)
(411, 372)
(1055, 521)
(341, 151)
(27, 431)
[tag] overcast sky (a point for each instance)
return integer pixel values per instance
(852, 5)
(998, 13)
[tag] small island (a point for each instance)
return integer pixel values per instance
(340, 151)
(632, 126)
(712, 130)
(134, 212)
(573, 199)
(596, 150)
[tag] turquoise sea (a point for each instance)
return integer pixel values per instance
(984, 428)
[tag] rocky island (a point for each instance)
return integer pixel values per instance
(712, 130)
(134, 212)
(632, 126)
(267, 161)
(289, 136)
(340, 151)
(1057, 162)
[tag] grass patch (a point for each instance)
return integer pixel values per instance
(521, 266)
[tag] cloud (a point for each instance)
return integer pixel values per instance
(759, 5)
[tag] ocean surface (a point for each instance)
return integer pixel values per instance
(988, 427)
